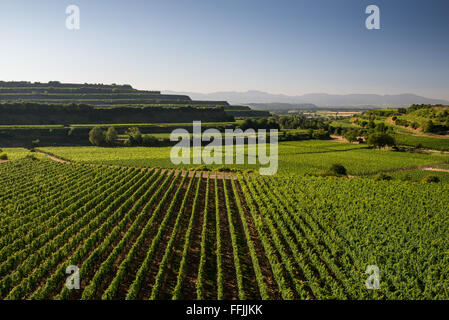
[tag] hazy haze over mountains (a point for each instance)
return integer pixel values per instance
(319, 99)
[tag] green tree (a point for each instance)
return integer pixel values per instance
(97, 136)
(380, 140)
(320, 134)
(431, 179)
(338, 131)
(429, 126)
(381, 127)
(111, 136)
(135, 137)
(351, 135)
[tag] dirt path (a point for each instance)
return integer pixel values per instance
(53, 157)
(338, 139)
(436, 169)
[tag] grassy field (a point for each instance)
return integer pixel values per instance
(295, 158)
(426, 142)
(18, 153)
(418, 175)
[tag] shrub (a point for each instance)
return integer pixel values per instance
(227, 169)
(382, 176)
(3, 156)
(31, 157)
(338, 169)
(202, 168)
(431, 179)
(224, 169)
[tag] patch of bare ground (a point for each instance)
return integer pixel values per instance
(338, 138)
(150, 278)
(436, 169)
(171, 273)
(230, 289)
(250, 286)
(264, 263)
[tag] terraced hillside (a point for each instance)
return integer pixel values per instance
(94, 94)
(122, 98)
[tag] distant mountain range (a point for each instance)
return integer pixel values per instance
(318, 99)
(280, 106)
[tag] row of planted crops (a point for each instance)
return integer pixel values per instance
(167, 234)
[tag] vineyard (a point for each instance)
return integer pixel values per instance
(147, 233)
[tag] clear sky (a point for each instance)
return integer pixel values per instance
(290, 47)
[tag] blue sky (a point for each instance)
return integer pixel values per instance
(290, 47)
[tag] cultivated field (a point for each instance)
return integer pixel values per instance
(295, 158)
(158, 234)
